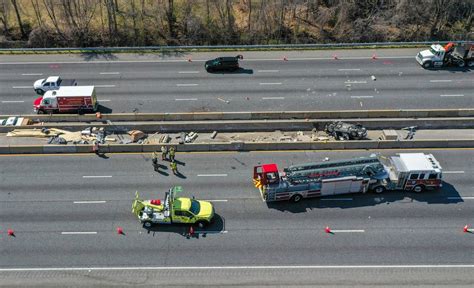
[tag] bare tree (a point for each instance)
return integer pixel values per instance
(20, 22)
(4, 11)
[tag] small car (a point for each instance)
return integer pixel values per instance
(223, 64)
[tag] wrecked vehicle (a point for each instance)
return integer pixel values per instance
(346, 131)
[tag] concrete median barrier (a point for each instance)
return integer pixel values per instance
(26, 149)
(83, 148)
(4, 149)
(57, 149)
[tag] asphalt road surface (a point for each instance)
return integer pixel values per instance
(65, 211)
(308, 80)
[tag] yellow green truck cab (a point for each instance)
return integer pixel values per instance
(173, 210)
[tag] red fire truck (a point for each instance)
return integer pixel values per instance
(67, 99)
(406, 171)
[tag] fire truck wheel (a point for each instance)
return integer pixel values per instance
(379, 189)
(40, 111)
(39, 91)
(418, 188)
(147, 224)
(296, 198)
(201, 224)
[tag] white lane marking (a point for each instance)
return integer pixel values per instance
(348, 231)
(355, 69)
(461, 198)
(453, 172)
(89, 202)
(13, 101)
(314, 267)
(186, 99)
(336, 199)
(186, 85)
(104, 86)
(212, 175)
(103, 100)
(198, 60)
(78, 233)
(435, 81)
(273, 98)
(97, 176)
(355, 82)
(109, 73)
(452, 95)
(22, 87)
(188, 72)
(223, 100)
(217, 200)
(211, 232)
(32, 74)
(274, 83)
(359, 97)
(268, 71)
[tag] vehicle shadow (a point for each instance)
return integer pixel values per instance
(215, 228)
(104, 110)
(98, 55)
(452, 69)
(446, 195)
(238, 71)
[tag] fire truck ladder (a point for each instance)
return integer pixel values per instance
(310, 172)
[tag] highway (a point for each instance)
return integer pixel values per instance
(307, 80)
(65, 210)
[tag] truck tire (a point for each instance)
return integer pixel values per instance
(39, 91)
(379, 189)
(147, 224)
(201, 224)
(427, 64)
(296, 198)
(461, 64)
(470, 63)
(418, 188)
(40, 112)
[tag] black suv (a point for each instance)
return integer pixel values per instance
(223, 64)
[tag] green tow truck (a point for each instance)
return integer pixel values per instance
(173, 210)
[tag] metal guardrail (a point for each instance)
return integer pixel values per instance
(235, 47)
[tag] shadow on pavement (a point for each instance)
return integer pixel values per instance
(216, 227)
(451, 69)
(446, 195)
(238, 71)
(98, 55)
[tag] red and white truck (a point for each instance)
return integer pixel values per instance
(406, 171)
(67, 99)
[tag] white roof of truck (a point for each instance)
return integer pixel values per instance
(52, 79)
(419, 162)
(70, 91)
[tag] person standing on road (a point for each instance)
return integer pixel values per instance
(172, 153)
(174, 167)
(164, 152)
(154, 160)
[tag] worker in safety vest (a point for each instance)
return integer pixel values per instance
(154, 160)
(172, 154)
(164, 152)
(174, 167)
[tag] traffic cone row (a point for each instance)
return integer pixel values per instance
(466, 229)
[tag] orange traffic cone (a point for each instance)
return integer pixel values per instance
(285, 58)
(327, 229)
(120, 231)
(335, 57)
(98, 115)
(374, 57)
(11, 232)
(466, 229)
(189, 59)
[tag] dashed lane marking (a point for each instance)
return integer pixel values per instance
(188, 72)
(31, 74)
(336, 199)
(109, 73)
(355, 69)
(355, 82)
(453, 172)
(217, 200)
(347, 231)
(97, 176)
(436, 81)
(103, 100)
(452, 95)
(186, 99)
(360, 97)
(461, 198)
(187, 85)
(273, 98)
(273, 83)
(22, 87)
(13, 101)
(104, 86)
(268, 71)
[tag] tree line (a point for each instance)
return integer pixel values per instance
(95, 23)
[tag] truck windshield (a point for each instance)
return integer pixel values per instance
(195, 207)
(433, 50)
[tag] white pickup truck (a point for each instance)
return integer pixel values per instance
(52, 83)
